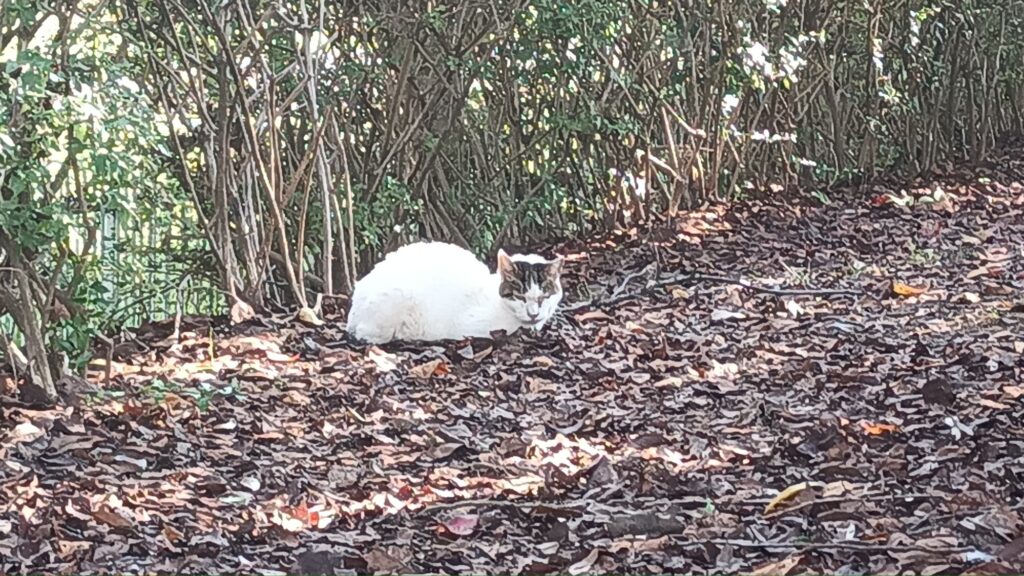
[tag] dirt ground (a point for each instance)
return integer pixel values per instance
(660, 424)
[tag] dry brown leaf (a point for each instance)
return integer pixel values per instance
(308, 315)
(25, 432)
(837, 488)
(723, 315)
(462, 525)
(241, 311)
(997, 254)
(906, 290)
(384, 361)
(436, 367)
(585, 564)
(968, 297)
(1013, 391)
(107, 516)
(982, 271)
(878, 428)
(389, 560)
(780, 568)
(992, 404)
(680, 294)
(280, 357)
(442, 451)
(171, 534)
(593, 315)
(543, 361)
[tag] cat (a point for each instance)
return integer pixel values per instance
(436, 291)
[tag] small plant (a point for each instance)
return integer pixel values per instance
(156, 390)
(709, 508)
(857, 269)
(922, 256)
(797, 277)
(101, 396)
(205, 392)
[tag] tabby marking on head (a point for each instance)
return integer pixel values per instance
(530, 286)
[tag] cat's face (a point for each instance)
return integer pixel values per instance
(531, 286)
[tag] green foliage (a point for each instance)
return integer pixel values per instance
(480, 123)
(78, 146)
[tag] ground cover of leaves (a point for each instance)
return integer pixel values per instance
(665, 426)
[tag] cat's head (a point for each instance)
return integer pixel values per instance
(531, 286)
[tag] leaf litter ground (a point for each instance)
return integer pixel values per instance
(658, 425)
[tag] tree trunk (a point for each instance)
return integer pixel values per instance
(16, 298)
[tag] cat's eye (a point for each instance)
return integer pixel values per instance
(510, 291)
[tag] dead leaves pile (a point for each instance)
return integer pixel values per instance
(685, 428)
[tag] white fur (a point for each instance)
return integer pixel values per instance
(438, 291)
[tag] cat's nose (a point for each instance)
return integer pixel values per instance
(533, 315)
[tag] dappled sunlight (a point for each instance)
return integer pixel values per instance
(787, 265)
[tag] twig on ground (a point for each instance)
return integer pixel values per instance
(774, 291)
(809, 546)
(501, 504)
(629, 278)
(616, 296)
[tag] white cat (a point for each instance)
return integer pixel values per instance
(437, 291)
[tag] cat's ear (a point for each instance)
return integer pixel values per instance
(555, 267)
(505, 266)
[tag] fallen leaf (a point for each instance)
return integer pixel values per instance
(308, 316)
(390, 560)
(785, 495)
(968, 297)
(442, 451)
(107, 516)
(680, 294)
(25, 432)
(462, 525)
(877, 428)
(794, 309)
(171, 534)
(780, 568)
(992, 404)
(288, 521)
(280, 357)
(585, 564)
(312, 562)
(837, 488)
(986, 270)
(543, 361)
(593, 315)
(723, 315)
(426, 370)
(385, 362)
(241, 311)
(1013, 549)
(996, 254)
(906, 290)
(1013, 391)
